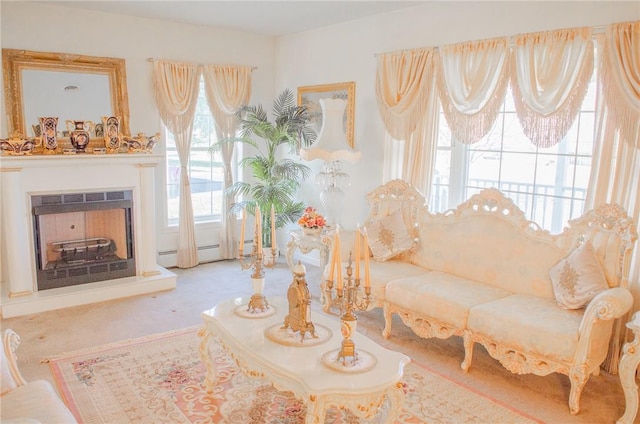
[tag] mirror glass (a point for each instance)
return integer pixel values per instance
(69, 86)
(68, 95)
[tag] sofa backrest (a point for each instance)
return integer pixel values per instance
(489, 239)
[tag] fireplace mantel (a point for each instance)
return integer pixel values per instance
(24, 176)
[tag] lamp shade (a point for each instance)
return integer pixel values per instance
(331, 144)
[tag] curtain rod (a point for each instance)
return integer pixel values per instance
(153, 59)
(596, 30)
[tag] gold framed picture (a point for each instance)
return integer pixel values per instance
(310, 95)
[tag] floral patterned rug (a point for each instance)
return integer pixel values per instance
(159, 379)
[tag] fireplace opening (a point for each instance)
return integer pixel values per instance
(83, 237)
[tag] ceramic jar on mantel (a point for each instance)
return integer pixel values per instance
(49, 133)
(79, 134)
(111, 133)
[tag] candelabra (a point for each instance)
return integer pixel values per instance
(350, 299)
(257, 261)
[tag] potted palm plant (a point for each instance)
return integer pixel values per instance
(276, 179)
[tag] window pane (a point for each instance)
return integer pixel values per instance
(548, 184)
(204, 168)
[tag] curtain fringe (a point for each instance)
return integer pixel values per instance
(546, 131)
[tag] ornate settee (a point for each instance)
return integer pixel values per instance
(27, 402)
(485, 273)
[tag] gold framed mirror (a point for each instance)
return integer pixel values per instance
(310, 95)
(35, 83)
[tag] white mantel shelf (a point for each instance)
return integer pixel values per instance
(24, 176)
(48, 161)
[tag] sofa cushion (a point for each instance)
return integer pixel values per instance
(578, 278)
(381, 273)
(529, 324)
(35, 400)
(440, 295)
(388, 236)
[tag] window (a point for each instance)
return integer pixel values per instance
(549, 185)
(204, 168)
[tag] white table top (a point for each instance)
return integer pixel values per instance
(246, 340)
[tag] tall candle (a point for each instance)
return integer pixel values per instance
(338, 260)
(244, 220)
(273, 229)
(367, 282)
(332, 269)
(258, 230)
(358, 253)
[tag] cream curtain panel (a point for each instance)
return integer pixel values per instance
(408, 104)
(176, 94)
(401, 79)
(550, 76)
(472, 81)
(615, 170)
(227, 88)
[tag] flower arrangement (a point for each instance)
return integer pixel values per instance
(311, 219)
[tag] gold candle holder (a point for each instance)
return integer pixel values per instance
(350, 299)
(256, 260)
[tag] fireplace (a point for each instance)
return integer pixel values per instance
(82, 237)
(77, 229)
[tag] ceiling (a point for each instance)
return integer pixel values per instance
(272, 18)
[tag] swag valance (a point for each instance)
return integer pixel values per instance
(549, 73)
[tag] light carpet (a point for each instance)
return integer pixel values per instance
(159, 379)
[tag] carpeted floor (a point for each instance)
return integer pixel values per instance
(52, 333)
(160, 379)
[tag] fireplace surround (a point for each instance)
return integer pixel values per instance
(27, 180)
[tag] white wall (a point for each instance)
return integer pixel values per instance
(338, 53)
(44, 27)
(346, 52)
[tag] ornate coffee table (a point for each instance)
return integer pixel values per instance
(299, 368)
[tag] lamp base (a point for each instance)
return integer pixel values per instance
(333, 179)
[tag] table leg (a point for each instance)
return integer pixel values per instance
(396, 401)
(205, 356)
(628, 366)
(291, 248)
(316, 410)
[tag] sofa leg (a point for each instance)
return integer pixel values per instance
(578, 378)
(386, 332)
(468, 351)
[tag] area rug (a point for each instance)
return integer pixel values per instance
(159, 379)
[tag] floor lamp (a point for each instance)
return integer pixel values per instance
(332, 147)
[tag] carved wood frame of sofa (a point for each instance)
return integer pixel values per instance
(608, 228)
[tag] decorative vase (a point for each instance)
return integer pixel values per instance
(311, 231)
(141, 143)
(111, 133)
(79, 134)
(49, 133)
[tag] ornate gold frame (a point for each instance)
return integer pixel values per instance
(310, 94)
(14, 61)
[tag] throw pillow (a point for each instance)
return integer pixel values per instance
(578, 278)
(388, 237)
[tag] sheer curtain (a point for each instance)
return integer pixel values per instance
(408, 104)
(228, 88)
(472, 82)
(550, 77)
(176, 94)
(615, 171)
